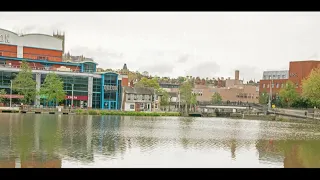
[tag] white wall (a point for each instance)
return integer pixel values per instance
(31, 40)
(127, 106)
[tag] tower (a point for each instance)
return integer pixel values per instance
(236, 75)
(125, 75)
(60, 36)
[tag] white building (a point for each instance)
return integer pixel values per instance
(275, 75)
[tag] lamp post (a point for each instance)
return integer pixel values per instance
(179, 99)
(72, 96)
(270, 94)
(10, 93)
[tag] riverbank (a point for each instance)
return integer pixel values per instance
(125, 113)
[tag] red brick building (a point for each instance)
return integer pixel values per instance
(298, 70)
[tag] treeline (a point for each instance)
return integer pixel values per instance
(289, 97)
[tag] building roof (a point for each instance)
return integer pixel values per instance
(138, 90)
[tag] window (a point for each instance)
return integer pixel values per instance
(283, 76)
(269, 77)
(297, 85)
(131, 106)
(128, 97)
(141, 105)
(277, 85)
(282, 85)
(156, 106)
(42, 57)
(268, 85)
(143, 97)
(272, 85)
(278, 76)
(263, 85)
(264, 77)
(135, 97)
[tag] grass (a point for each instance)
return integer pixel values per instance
(125, 113)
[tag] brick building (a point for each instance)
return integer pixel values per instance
(298, 70)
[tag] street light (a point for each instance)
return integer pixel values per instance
(10, 93)
(72, 96)
(270, 95)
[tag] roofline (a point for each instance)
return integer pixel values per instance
(29, 34)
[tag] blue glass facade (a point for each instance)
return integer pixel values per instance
(110, 91)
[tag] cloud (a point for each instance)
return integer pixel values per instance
(204, 69)
(183, 58)
(249, 73)
(159, 69)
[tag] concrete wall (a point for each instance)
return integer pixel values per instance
(127, 106)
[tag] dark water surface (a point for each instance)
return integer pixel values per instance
(29, 140)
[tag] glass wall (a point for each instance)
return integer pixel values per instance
(89, 67)
(110, 91)
(80, 89)
(96, 95)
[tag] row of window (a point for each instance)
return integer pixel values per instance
(138, 97)
(274, 77)
(278, 85)
(247, 96)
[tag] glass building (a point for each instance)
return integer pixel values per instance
(87, 90)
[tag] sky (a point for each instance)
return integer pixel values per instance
(205, 44)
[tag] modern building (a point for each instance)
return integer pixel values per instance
(44, 53)
(298, 70)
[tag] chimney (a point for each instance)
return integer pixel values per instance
(236, 75)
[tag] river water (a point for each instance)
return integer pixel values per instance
(71, 141)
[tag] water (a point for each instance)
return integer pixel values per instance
(29, 140)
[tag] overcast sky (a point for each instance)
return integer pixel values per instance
(206, 44)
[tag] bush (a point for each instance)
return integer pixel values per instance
(126, 113)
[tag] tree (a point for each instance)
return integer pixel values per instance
(164, 97)
(2, 93)
(311, 87)
(193, 100)
(288, 94)
(263, 98)
(24, 84)
(181, 79)
(186, 94)
(216, 98)
(52, 88)
(145, 82)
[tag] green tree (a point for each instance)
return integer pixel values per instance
(24, 84)
(186, 94)
(52, 88)
(145, 82)
(164, 97)
(311, 87)
(2, 93)
(193, 100)
(263, 98)
(216, 98)
(288, 94)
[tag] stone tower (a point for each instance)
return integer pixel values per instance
(60, 36)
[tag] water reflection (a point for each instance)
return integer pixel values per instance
(45, 141)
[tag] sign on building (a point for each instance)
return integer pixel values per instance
(4, 38)
(110, 88)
